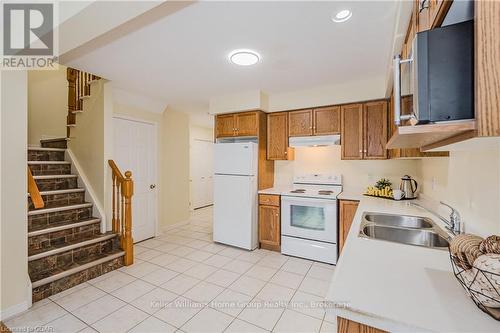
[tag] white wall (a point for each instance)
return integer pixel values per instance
(200, 133)
(243, 101)
(357, 175)
(469, 180)
(348, 92)
(174, 167)
(204, 134)
(89, 144)
(173, 158)
(47, 104)
(76, 30)
(14, 281)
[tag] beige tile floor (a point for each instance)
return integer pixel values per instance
(181, 281)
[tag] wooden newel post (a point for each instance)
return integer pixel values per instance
(128, 243)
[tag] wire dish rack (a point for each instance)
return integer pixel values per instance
(482, 286)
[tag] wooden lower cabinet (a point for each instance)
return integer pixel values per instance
(269, 222)
(346, 215)
(349, 326)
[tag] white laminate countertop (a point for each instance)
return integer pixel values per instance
(349, 195)
(398, 287)
(278, 190)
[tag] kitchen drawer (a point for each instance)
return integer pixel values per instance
(269, 199)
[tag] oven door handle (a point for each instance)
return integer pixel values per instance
(291, 199)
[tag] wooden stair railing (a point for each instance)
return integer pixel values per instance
(35, 195)
(78, 90)
(123, 190)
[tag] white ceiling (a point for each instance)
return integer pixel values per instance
(182, 58)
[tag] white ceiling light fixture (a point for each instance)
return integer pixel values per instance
(342, 16)
(244, 57)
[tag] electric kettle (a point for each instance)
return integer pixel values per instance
(409, 191)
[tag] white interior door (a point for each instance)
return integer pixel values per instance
(202, 171)
(135, 150)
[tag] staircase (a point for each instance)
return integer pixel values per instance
(65, 245)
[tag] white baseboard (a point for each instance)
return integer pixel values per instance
(98, 206)
(16, 309)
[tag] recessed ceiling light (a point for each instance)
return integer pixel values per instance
(244, 57)
(342, 16)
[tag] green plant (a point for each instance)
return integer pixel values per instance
(383, 183)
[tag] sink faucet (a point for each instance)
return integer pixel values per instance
(455, 219)
(454, 225)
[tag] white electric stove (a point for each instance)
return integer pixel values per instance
(309, 217)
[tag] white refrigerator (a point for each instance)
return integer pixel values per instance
(235, 194)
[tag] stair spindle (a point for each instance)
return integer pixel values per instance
(78, 87)
(123, 190)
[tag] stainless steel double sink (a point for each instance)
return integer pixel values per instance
(404, 229)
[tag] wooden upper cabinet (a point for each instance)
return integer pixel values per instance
(406, 108)
(277, 136)
(327, 120)
(247, 124)
(320, 121)
(225, 125)
(487, 67)
(422, 9)
(352, 131)
(237, 124)
(430, 13)
(375, 130)
(300, 123)
(364, 130)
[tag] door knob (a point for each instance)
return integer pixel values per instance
(152, 186)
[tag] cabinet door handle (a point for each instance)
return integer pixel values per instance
(423, 5)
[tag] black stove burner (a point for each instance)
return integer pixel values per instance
(325, 192)
(298, 191)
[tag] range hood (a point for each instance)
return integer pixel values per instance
(314, 141)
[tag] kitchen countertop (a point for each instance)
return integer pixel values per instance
(276, 190)
(398, 287)
(279, 190)
(348, 195)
